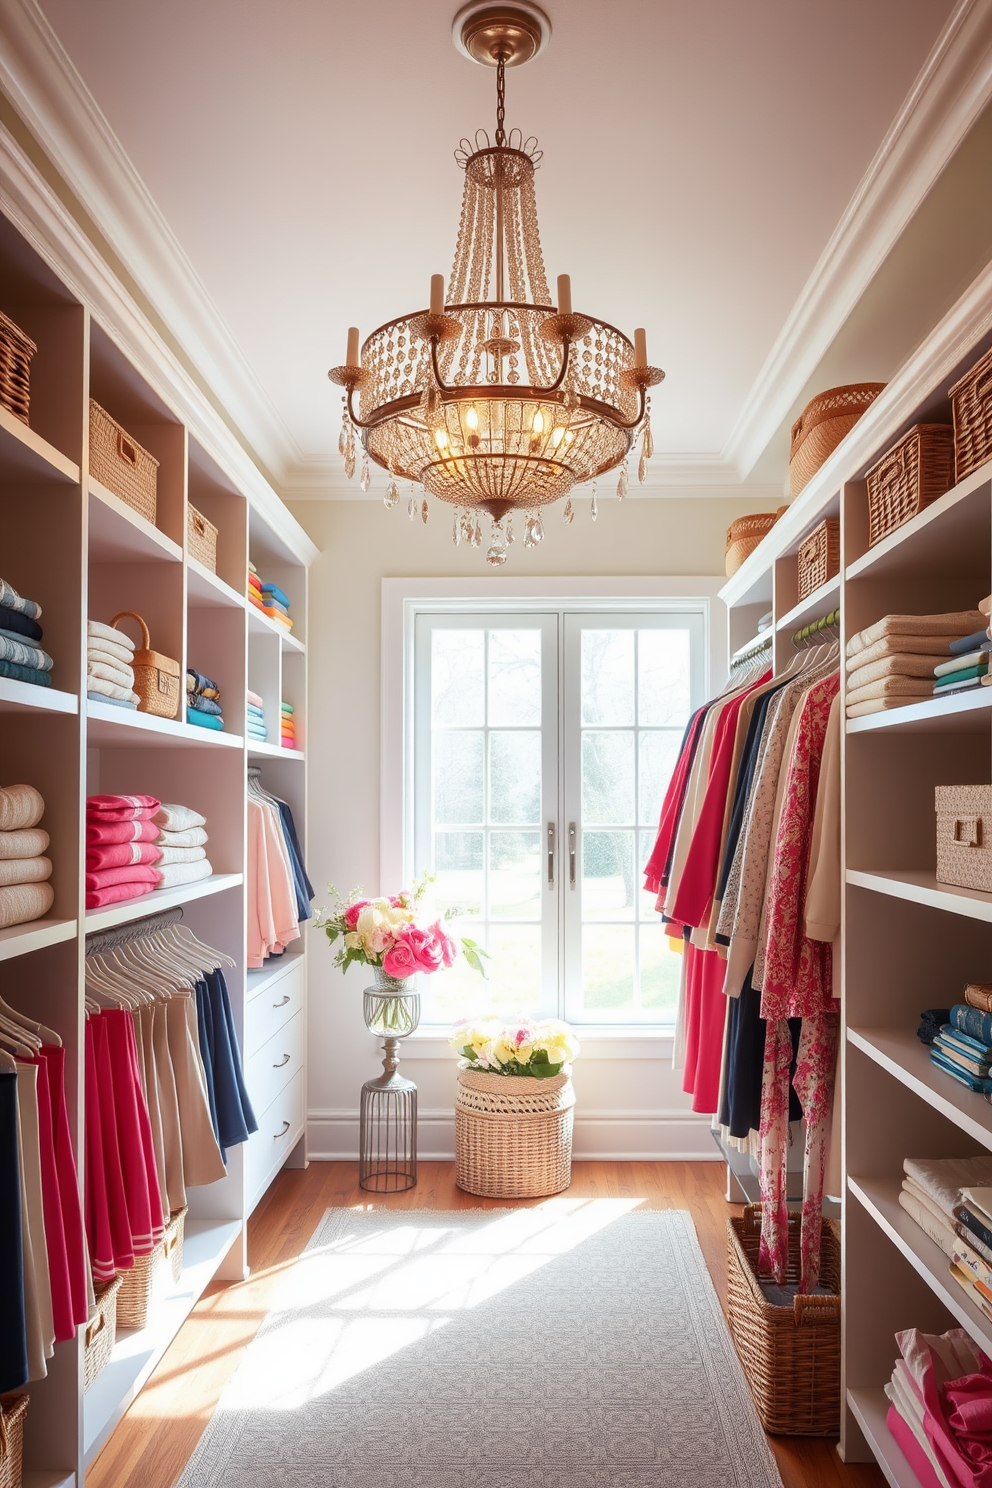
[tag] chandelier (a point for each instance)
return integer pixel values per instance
(494, 399)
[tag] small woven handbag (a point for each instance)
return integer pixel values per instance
(156, 677)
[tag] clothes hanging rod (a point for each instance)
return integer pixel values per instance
(753, 647)
(809, 632)
(105, 940)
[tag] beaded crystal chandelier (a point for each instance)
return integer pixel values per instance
(494, 399)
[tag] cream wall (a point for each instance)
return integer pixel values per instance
(627, 1107)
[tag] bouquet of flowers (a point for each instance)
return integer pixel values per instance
(539, 1049)
(395, 935)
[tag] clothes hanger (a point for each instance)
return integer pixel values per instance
(218, 958)
(47, 1035)
(8, 1062)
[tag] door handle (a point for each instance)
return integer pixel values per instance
(282, 1002)
(284, 1060)
(285, 1128)
(571, 854)
(551, 855)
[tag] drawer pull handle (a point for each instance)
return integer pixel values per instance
(282, 1002)
(285, 1129)
(284, 1060)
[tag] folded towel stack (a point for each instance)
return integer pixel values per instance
(25, 893)
(182, 845)
(203, 701)
(288, 726)
(969, 663)
(109, 666)
(256, 717)
(268, 598)
(135, 844)
(892, 662)
(21, 656)
(950, 1199)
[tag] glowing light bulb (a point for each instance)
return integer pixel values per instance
(441, 438)
(538, 422)
(472, 418)
(557, 435)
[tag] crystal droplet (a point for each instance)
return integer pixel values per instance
(594, 509)
(343, 438)
(365, 480)
(392, 495)
(647, 443)
(623, 484)
(477, 536)
(456, 531)
(423, 512)
(642, 467)
(349, 464)
(539, 530)
(568, 515)
(496, 556)
(509, 530)
(411, 506)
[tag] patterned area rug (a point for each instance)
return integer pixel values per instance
(576, 1345)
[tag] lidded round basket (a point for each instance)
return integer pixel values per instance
(513, 1134)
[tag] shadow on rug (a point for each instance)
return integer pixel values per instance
(577, 1345)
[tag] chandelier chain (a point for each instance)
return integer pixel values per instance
(500, 99)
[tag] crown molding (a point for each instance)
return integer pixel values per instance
(950, 92)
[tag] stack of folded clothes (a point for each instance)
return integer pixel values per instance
(892, 662)
(182, 844)
(963, 1047)
(109, 666)
(203, 701)
(25, 893)
(256, 717)
(940, 1411)
(21, 656)
(968, 666)
(121, 849)
(288, 726)
(268, 598)
(932, 1194)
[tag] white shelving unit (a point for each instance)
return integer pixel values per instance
(907, 941)
(100, 557)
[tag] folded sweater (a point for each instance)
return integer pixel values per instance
(203, 720)
(111, 671)
(116, 894)
(114, 691)
(188, 837)
(100, 831)
(20, 903)
(100, 649)
(974, 657)
(899, 664)
(21, 806)
(18, 624)
(122, 808)
(954, 624)
(109, 633)
(24, 870)
(276, 593)
(901, 687)
(964, 674)
(181, 855)
(100, 697)
(139, 873)
(11, 600)
(15, 648)
(17, 673)
(27, 843)
(171, 818)
(174, 874)
(120, 854)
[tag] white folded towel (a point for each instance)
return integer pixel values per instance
(109, 633)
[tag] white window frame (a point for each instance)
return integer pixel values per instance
(403, 599)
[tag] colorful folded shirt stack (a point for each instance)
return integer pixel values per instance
(21, 656)
(121, 850)
(256, 717)
(109, 666)
(892, 663)
(963, 1047)
(268, 598)
(25, 893)
(940, 1408)
(203, 701)
(288, 726)
(969, 663)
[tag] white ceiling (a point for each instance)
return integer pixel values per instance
(698, 158)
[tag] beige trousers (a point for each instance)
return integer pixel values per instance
(37, 1283)
(202, 1162)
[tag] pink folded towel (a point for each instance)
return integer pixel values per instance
(121, 855)
(253, 697)
(99, 831)
(116, 894)
(121, 808)
(133, 873)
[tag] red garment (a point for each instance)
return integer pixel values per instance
(135, 873)
(911, 1449)
(704, 1016)
(694, 900)
(121, 808)
(134, 1135)
(99, 1234)
(116, 894)
(119, 854)
(58, 1266)
(656, 871)
(100, 830)
(958, 1423)
(120, 1223)
(68, 1179)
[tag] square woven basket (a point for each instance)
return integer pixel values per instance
(136, 1289)
(120, 463)
(16, 351)
(971, 405)
(911, 475)
(175, 1231)
(201, 538)
(101, 1332)
(13, 1409)
(964, 836)
(819, 557)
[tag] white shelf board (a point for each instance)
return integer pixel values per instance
(261, 977)
(880, 1197)
(273, 751)
(901, 1053)
(119, 534)
(962, 712)
(206, 591)
(54, 1479)
(870, 1408)
(20, 697)
(18, 940)
(25, 456)
(818, 604)
(125, 728)
(920, 886)
(158, 899)
(937, 536)
(136, 1354)
(262, 625)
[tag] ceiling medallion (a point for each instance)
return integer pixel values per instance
(494, 399)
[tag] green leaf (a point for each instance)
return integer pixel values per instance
(546, 1071)
(539, 1056)
(468, 1052)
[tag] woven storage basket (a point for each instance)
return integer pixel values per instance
(743, 536)
(790, 1355)
(16, 351)
(120, 463)
(101, 1332)
(822, 425)
(13, 1409)
(513, 1134)
(174, 1232)
(136, 1289)
(964, 836)
(819, 557)
(971, 404)
(156, 677)
(908, 477)
(201, 538)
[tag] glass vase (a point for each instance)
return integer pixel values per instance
(391, 1005)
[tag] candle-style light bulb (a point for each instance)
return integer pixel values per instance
(564, 294)
(640, 348)
(351, 360)
(437, 294)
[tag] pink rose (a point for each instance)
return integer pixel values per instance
(522, 1036)
(353, 911)
(448, 948)
(399, 961)
(425, 948)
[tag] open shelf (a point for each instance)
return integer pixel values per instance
(262, 625)
(963, 711)
(119, 534)
(880, 1197)
(18, 940)
(136, 909)
(870, 1407)
(936, 537)
(818, 604)
(48, 1480)
(273, 751)
(136, 1354)
(899, 1051)
(920, 886)
(17, 697)
(206, 591)
(112, 726)
(26, 457)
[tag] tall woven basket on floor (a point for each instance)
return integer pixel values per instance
(513, 1134)
(13, 1409)
(790, 1354)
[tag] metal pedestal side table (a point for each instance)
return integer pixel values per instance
(388, 1113)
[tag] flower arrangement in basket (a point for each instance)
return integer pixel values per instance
(532, 1050)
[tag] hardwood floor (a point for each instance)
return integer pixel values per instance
(151, 1446)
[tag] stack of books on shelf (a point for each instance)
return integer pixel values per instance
(268, 598)
(950, 1198)
(961, 1046)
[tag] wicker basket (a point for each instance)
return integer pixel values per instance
(16, 351)
(121, 464)
(13, 1409)
(201, 538)
(513, 1134)
(971, 403)
(913, 473)
(822, 425)
(174, 1232)
(101, 1332)
(964, 836)
(790, 1355)
(156, 677)
(136, 1289)
(743, 536)
(819, 557)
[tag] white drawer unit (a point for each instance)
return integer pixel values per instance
(279, 1129)
(275, 1005)
(275, 1063)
